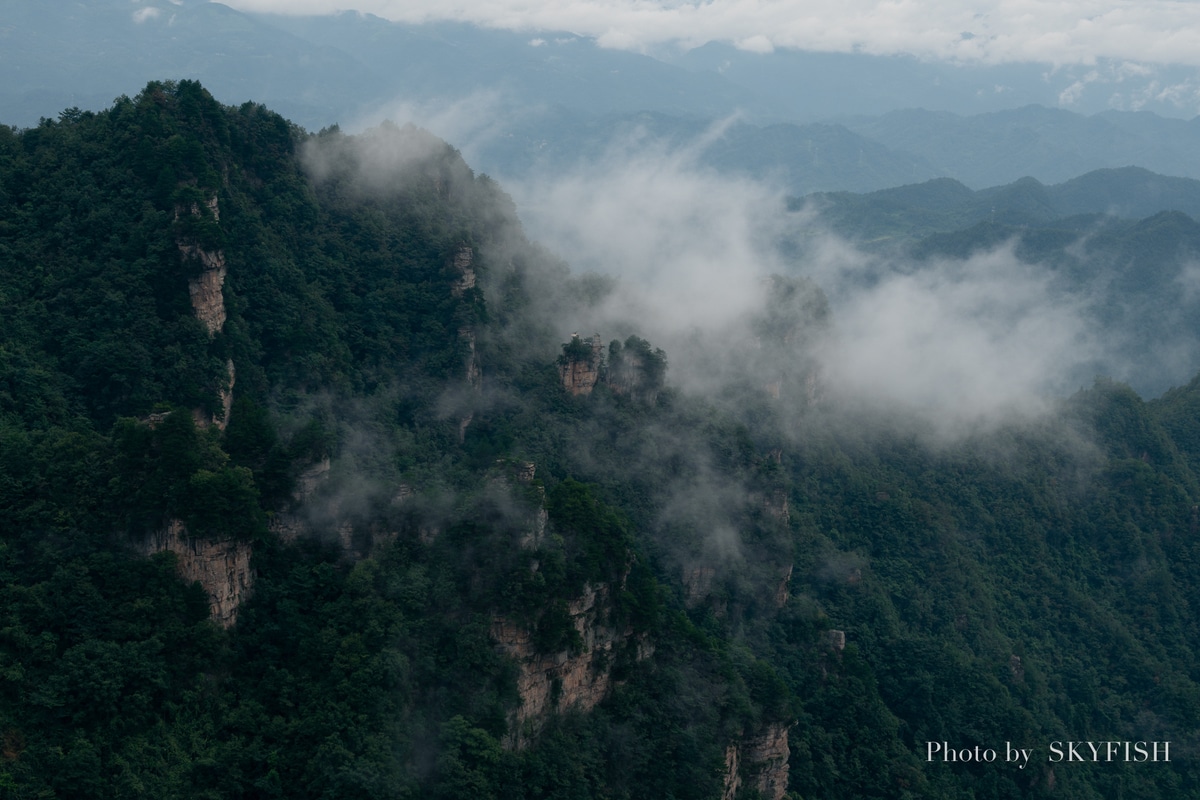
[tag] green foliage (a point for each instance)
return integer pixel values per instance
(1028, 584)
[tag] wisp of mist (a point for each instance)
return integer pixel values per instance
(963, 344)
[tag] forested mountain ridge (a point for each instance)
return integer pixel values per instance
(1119, 245)
(943, 205)
(485, 563)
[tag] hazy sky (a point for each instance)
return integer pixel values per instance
(995, 31)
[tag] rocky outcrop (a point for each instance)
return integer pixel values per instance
(472, 371)
(783, 590)
(288, 525)
(580, 364)
(334, 513)
(534, 530)
(464, 257)
(766, 757)
(226, 395)
(759, 760)
(208, 300)
(550, 682)
(775, 505)
(635, 370)
(221, 566)
(733, 772)
(697, 584)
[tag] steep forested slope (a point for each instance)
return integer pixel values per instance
(302, 495)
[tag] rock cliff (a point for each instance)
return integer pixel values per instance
(464, 258)
(549, 682)
(208, 299)
(580, 364)
(521, 474)
(222, 567)
(635, 370)
(759, 760)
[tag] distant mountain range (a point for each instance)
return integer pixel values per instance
(1123, 244)
(515, 102)
(943, 205)
(1050, 144)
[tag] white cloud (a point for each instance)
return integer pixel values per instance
(1073, 93)
(959, 343)
(143, 14)
(965, 341)
(689, 243)
(1045, 31)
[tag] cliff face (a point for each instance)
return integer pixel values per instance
(549, 682)
(579, 368)
(222, 567)
(464, 259)
(208, 300)
(522, 473)
(636, 370)
(766, 756)
(759, 760)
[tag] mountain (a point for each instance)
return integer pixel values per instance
(323, 70)
(1052, 145)
(303, 493)
(811, 85)
(439, 61)
(517, 102)
(87, 54)
(944, 205)
(796, 158)
(1121, 243)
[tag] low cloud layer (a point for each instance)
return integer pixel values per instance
(992, 32)
(684, 256)
(969, 341)
(962, 343)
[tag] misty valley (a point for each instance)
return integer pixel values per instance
(329, 468)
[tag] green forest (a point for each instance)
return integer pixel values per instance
(303, 494)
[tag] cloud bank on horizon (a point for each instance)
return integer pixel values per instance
(989, 32)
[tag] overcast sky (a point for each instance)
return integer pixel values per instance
(993, 31)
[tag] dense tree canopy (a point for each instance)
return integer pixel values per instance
(1032, 584)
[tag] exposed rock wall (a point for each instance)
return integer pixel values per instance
(472, 371)
(697, 584)
(518, 476)
(762, 758)
(733, 773)
(783, 590)
(221, 566)
(766, 756)
(463, 265)
(549, 682)
(775, 505)
(208, 301)
(206, 290)
(579, 369)
(629, 377)
(464, 259)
